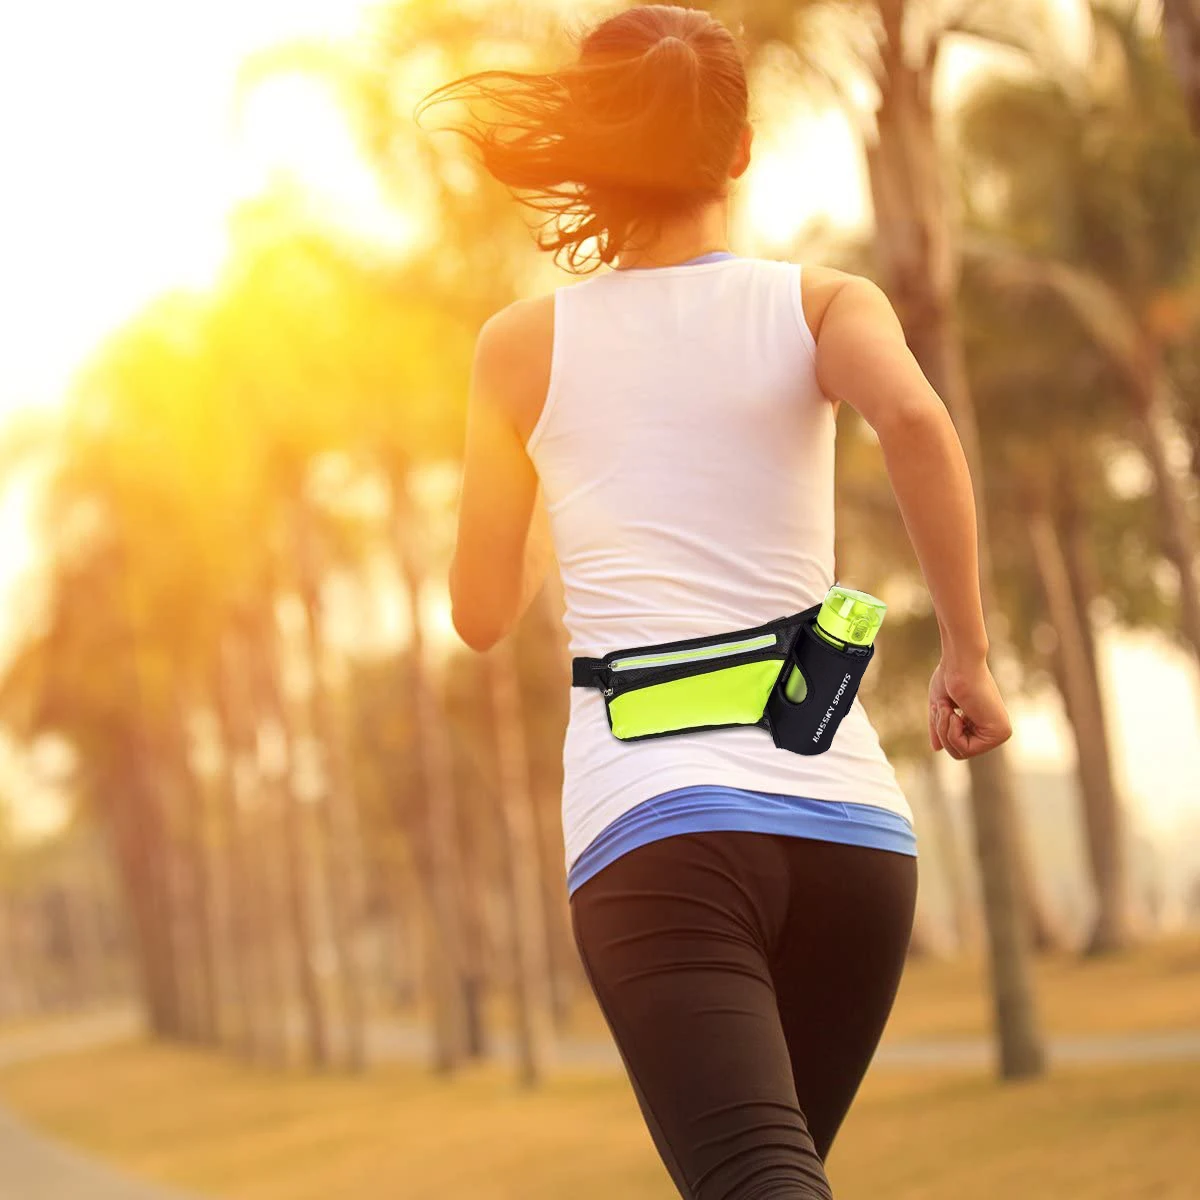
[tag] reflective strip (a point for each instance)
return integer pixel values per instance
(697, 654)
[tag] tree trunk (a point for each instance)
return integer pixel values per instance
(240, 903)
(16, 997)
(1179, 529)
(447, 968)
(129, 839)
(29, 953)
(1082, 572)
(271, 927)
(556, 913)
(521, 859)
(918, 251)
(562, 959)
(1181, 30)
(97, 920)
(242, 992)
(308, 982)
(13, 956)
(1102, 817)
(1022, 1050)
(135, 805)
(194, 834)
(147, 881)
(87, 950)
(263, 655)
(404, 941)
(964, 913)
(472, 899)
(336, 813)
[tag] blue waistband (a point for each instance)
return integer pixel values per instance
(712, 808)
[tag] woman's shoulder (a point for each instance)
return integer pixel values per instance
(821, 285)
(512, 357)
(520, 322)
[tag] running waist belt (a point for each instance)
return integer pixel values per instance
(734, 678)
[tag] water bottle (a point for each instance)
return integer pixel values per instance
(846, 618)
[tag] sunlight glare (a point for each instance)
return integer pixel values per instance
(116, 142)
(810, 167)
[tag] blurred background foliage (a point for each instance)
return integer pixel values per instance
(303, 824)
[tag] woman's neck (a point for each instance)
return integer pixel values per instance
(679, 241)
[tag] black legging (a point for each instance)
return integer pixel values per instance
(746, 979)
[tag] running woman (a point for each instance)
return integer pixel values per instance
(742, 912)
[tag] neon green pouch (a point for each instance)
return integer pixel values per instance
(693, 684)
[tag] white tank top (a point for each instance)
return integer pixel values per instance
(686, 454)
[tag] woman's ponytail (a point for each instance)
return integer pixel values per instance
(643, 127)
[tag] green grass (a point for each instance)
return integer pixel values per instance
(186, 1118)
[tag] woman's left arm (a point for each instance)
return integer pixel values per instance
(504, 548)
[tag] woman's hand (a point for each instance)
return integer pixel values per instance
(966, 713)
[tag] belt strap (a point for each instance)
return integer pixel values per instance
(585, 672)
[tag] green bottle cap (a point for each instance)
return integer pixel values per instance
(851, 616)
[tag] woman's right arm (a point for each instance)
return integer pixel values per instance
(862, 359)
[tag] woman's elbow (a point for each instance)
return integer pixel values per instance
(471, 621)
(473, 615)
(478, 633)
(483, 604)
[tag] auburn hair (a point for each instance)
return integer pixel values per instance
(642, 127)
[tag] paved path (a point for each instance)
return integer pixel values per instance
(400, 1041)
(87, 1031)
(33, 1167)
(394, 1041)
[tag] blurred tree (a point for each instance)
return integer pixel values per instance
(1102, 212)
(522, 859)
(474, 261)
(1050, 412)
(1181, 25)
(336, 809)
(458, 1020)
(1089, 190)
(252, 1013)
(543, 654)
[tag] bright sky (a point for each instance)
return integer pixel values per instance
(121, 162)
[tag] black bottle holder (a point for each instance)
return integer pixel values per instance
(833, 676)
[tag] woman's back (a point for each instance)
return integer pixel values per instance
(686, 454)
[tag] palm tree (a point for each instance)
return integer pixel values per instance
(1116, 243)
